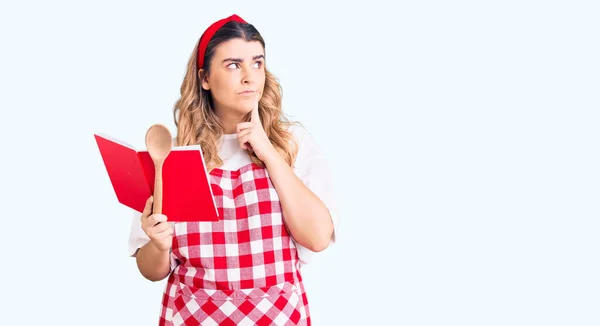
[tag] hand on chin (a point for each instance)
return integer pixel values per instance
(252, 136)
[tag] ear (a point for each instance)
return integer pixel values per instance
(203, 80)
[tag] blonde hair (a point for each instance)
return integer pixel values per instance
(197, 122)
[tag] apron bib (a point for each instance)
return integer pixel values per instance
(241, 270)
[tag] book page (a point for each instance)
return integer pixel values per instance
(115, 140)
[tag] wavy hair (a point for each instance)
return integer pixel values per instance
(196, 120)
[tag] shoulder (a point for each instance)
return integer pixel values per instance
(298, 131)
(308, 152)
(301, 136)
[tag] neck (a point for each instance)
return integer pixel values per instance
(229, 120)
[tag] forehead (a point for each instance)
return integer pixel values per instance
(239, 48)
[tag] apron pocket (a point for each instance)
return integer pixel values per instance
(285, 289)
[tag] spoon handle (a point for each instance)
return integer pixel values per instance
(158, 193)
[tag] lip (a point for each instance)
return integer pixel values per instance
(248, 92)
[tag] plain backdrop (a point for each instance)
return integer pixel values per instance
(463, 138)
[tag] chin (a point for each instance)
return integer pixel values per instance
(241, 106)
(240, 110)
(245, 107)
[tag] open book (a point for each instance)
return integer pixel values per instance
(187, 193)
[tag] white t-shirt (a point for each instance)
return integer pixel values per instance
(310, 166)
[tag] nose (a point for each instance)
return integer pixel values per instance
(247, 75)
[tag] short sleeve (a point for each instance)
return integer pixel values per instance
(138, 238)
(312, 168)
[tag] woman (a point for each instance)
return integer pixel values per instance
(270, 182)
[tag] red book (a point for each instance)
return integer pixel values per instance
(187, 193)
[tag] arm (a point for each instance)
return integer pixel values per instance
(153, 263)
(153, 258)
(306, 216)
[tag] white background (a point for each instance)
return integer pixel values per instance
(463, 138)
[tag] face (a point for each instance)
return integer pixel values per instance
(236, 76)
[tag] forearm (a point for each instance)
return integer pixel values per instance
(306, 216)
(153, 263)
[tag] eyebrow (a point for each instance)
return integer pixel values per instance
(256, 57)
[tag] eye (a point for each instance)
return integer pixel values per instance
(234, 64)
(258, 64)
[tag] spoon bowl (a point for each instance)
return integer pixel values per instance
(159, 143)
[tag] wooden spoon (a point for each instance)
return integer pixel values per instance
(158, 143)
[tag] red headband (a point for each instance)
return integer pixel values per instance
(208, 34)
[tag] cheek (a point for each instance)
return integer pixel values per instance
(261, 82)
(221, 89)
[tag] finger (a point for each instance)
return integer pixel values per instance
(244, 133)
(243, 126)
(148, 208)
(160, 227)
(244, 138)
(255, 118)
(160, 230)
(156, 218)
(168, 232)
(243, 141)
